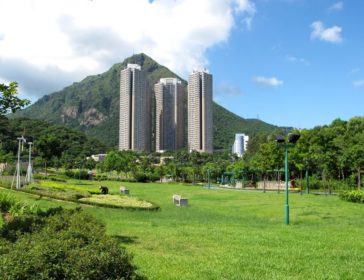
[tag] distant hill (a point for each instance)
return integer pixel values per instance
(92, 106)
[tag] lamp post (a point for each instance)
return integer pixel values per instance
(29, 175)
(292, 139)
(21, 140)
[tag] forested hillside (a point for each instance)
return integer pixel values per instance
(92, 106)
(57, 143)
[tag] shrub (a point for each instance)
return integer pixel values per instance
(57, 193)
(64, 244)
(20, 208)
(51, 178)
(79, 174)
(100, 177)
(6, 202)
(141, 177)
(353, 196)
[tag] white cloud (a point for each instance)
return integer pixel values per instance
(87, 37)
(271, 82)
(358, 83)
(248, 8)
(336, 7)
(332, 34)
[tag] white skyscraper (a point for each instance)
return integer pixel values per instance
(134, 128)
(240, 144)
(169, 97)
(199, 107)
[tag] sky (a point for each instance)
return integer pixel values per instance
(297, 63)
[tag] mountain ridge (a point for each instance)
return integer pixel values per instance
(92, 105)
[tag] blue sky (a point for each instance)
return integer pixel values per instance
(317, 76)
(289, 62)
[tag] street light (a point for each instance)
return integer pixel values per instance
(292, 139)
(29, 175)
(208, 179)
(21, 140)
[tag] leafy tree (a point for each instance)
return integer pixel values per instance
(9, 100)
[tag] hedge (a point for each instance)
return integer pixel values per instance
(353, 196)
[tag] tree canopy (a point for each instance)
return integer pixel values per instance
(9, 101)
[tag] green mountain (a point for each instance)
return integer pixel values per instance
(92, 106)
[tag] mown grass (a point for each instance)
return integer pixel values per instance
(228, 234)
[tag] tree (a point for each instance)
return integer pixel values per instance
(9, 100)
(48, 146)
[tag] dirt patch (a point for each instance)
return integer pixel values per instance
(7, 217)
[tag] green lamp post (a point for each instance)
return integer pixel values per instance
(292, 139)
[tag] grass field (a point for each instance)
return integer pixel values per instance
(228, 234)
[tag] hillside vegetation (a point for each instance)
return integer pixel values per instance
(92, 106)
(55, 145)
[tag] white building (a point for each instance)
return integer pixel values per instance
(134, 125)
(199, 107)
(240, 144)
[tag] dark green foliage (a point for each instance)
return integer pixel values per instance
(353, 196)
(333, 155)
(141, 177)
(54, 145)
(6, 201)
(79, 174)
(69, 195)
(61, 244)
(92, 106)
(9, 100)
(50, 178)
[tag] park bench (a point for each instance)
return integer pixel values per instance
(124, 190)
(179, 201)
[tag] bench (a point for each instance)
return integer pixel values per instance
(124, 190)
(179, 201)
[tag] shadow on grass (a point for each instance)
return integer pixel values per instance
(126, 239)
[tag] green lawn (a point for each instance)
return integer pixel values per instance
(228, 234)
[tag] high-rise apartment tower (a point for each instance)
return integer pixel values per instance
(199, 107)
(240, 144)
(134, 127)
(169, 98)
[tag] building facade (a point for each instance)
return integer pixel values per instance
(199, 108)
(134, 126)
(240, 144)
(169, 99)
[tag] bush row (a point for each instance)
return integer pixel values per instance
(50, 178)
(353, 196)
(70, 195)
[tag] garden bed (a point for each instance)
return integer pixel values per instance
(85, 193)
(119, 201)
